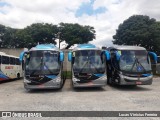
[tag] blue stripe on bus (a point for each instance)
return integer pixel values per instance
(146, 75)
(99, 75)
(3, 76)
(51, 76)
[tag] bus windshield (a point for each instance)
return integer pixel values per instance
(42, 62)
(88, 61)
(134, 61)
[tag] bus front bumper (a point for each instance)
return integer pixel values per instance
(125, 80)
(101, 82)
(52, 84)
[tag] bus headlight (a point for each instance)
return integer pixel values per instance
(75, 80)
(103, 78)
(122, 76)
(26, 81)
(58, 79)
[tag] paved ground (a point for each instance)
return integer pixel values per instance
(13, 97)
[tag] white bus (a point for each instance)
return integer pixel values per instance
(10, 67)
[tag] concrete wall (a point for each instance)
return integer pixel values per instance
(66, 64)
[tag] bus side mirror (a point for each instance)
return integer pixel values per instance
(70, 56)
(117, 56)
(154, 55)
(61, 56)
(21, 56)
(107, 55)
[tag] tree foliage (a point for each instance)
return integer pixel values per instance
(139, 30)
(45, 33)
(76, 34)
(7, 37)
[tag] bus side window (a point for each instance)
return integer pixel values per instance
(17, 61)
(12, 61)
(5, 60)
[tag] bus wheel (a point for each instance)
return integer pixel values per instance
(27, 89)
(109, 81)
(18, 76)
(133, 86)
(61, 85)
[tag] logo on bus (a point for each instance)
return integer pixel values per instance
(139, 68)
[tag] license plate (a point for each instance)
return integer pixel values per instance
(138, 83)
(90, 83)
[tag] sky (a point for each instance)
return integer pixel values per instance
(103, 15)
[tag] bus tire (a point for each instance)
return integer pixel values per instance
(27, 90)
(61, 85)
(18, 76)
(109, 81)
(133, 86)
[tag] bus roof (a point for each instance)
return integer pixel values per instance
(86, 47)
(4, 54)
(44, 47)
(126, 47)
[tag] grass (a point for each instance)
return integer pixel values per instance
(68, 74)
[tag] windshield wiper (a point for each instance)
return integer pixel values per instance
(35, 70)
(95, 68)
(83, 66)
(135, 62)
(40, 65)
(141, 65)
(48, 68)
(88, 61)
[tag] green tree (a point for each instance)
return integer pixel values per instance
(41, 33)
(76, 34)
(154, 45)
(2, 31)
(24, 39)
(138, 30)
(7, 37)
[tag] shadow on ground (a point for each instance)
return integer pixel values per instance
(131, 88)
(89, 89)
(7, 81)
